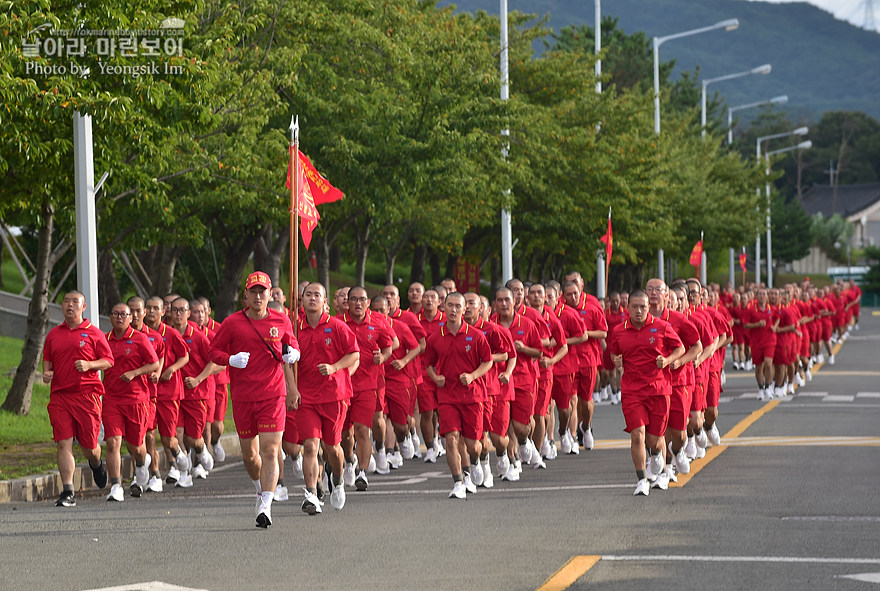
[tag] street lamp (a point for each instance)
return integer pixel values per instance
(778, 100)
(801, 146)
(758, 142)
(763, 70)
(727, 25)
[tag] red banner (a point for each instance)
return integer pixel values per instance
(608, 240)
(697, 254)
(322, 190)
(308, 213)
(742, 261)
(467, 275)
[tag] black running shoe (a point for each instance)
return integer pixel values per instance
(263, 521)
(135, 489)
(66, 499)
(580, 434)
(99, 475)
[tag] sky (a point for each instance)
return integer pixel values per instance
(848, 10)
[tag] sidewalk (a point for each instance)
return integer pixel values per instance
(48, 486)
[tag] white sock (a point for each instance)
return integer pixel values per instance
(266, 499)
(258, 486)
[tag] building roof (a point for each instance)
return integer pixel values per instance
(851, 200)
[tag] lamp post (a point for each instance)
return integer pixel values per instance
(777, 100)
(763, 70)
(727, 25)
(758, 142)
(506, 231)
(801, 146)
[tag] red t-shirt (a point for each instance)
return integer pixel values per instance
(572, 326)
(549, 319)
(454, 354)
(263, 378)
(430, 327)
(175, 348)
(499, 342)
(131, 351)
(222, 378)
(593, 316)
(64, 346)
(159, 346)
(199, 356)
(525, 373)
(411, 321)
(328, 342)
(372, 333)
(640, 348)
(689, 335)
(761, 336)
(408, 343)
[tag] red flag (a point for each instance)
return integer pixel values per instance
(697, 254)
(608, 240)
(742, 262)
(308, 213)
(322, 190)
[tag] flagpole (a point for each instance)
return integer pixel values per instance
(744, 269)
(607, 258)
(294, 220)
(700, 266)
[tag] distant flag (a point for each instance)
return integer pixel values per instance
(742, 261)
(697, 253)
(608, 240)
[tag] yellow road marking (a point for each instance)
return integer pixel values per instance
(570, 572)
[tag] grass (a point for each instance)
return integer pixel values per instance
(26, 444)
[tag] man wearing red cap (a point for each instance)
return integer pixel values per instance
(258, 346)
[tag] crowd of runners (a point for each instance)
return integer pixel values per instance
(347, 388)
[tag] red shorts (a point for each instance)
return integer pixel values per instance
(499, 421)
(76, 416)
(739, 334)
(586, 382)
(651, 412)
(826, 329)
(167, 413)
(128, 420)
(427, 395)
(522, 407)
(563, 389)
(152, 416)
(380, 395)
(466, 419)
(542, 396)
(804, 344)
(291, 433)
(221, 402)
(680, 407)
(259, 416)
(713, 392)
(761, 351)
(362, 409)
(210, 408)
(413, 395)
(698, 397)
(398, 400)
(194, 416)
(322, 421)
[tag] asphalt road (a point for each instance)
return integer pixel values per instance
(788, 501)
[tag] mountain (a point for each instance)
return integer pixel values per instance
(821, 63)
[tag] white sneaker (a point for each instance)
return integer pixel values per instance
(348, 474)
(714, 435)
(553, 451)
(820, 358)
(417, 444)
(575, 448)
(219, 452)
(361, 482)
(155, 484)
(406, 448)
(702, 439)
(538, 462)
(264, 515)
(525, 452)
(589, 441)
(779, 392)
(701, 452)
(511, 475)
(281, 493)
(185, 480)
(142, 473)
(670, 473)
(488, 479)
(606, 393)
(173, 475)
(597, 397)
(382, 463)
(762, 394)
(337, 498)
(440, 446)
(662, 481)
(312, 504)
(116, 493)
(182, 460)
(199, 472)
(545, 448)
(658, 463)
(395, 460)
(790, 390)
(750, 365)
(298, 467)
(458, 491)
(723, 377)
(809, 375)
(690, 448)
(469, 485)
(798, 380)
(502, 464)
(615, 398)
(682, 463)
(643, 488)
(565, 443)
(476, 474)
(372, 465)
(831, 359)
(431, 456)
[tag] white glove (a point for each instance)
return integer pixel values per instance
(240, 360)
(292, 356)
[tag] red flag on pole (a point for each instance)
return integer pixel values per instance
(322, 190)
(742, 261)
(608, 240)
(308, 213)
(697, 254)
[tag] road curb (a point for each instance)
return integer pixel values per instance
(46, 486)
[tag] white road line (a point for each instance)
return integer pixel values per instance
(857, 518)
(868, 395)
(825, 405)
(151, 586)
(839, 398)
(784, 559)
(812, 394)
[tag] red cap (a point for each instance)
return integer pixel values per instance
(258, 278)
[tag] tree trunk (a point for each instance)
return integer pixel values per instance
(335, 259)
(494, 277)
(108, 286)
(450, 266)
(362, 247)
(269, 252)
(417, 269)
(235, 259)
(392, 252)
(434, 260)
(159, 263)
(324, 253)
(18, 400)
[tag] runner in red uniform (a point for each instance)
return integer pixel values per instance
(761, 320)
(431, 319)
